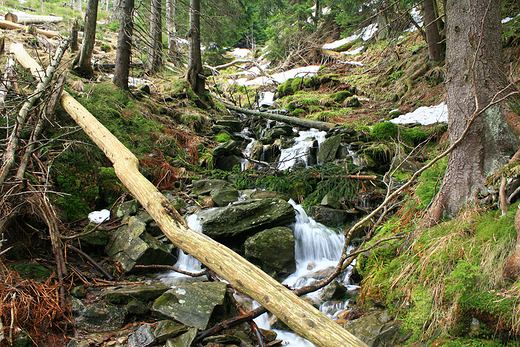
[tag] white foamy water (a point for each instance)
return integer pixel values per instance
(299, 152)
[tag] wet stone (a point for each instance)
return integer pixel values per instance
(142, 337)
(167, 329)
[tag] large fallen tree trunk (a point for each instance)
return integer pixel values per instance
(4, 24)
(308, 123)
(300, 316)
(25, 18)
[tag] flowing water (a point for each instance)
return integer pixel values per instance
(317, 250)
(300, 152)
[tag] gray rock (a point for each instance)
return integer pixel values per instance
(332, 202)
(142, 337)
(334, 290)
(232, 124)
(273, 251)
(143, 292)
(246, 217)
(206, 186)
(136, 307)
(132, 245)
(328, 149)
(100, 316)
(264, 194)
(371, 330)
(167, 329)
(127, 208)
(331, 217)
(191, 304)
(224, 196)
(183, 340)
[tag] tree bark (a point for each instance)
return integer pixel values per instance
(82, 63)
(432, 31)
(194, 75)
(154, 59)
(474, 77)
(124, 45)
(171, 30)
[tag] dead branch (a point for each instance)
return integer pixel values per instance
(91, 261)
(7, 78)
(173, 268)
(9, 155)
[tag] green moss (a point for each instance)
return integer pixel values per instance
(429, 182)
(385, 131)
(298, 112)
(32, 270)
(341, 96)
(223, 137)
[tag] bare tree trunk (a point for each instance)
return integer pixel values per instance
(107, 3)
(78, 5)
(124, 45)
(194, 75)
(474, 78)
(82, 63)
(432, 31)
(74, 37)
(154, 59)
(171, 30)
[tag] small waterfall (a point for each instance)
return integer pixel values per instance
(185, 261)
(299, 152)
(317, 250)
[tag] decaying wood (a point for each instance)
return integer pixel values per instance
(308, 123)
(91, 261)
(299, 315)
(17, 49)
(25, 18)
(4, 24)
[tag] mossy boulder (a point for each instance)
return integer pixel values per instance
(143, 292)
(246, 217)
(385, 131)
(339, 97)
(273, 251)
(224, 196)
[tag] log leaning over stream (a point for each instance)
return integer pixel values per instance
(308, 123)
(300, 316)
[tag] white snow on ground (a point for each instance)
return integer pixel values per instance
(99, 217)
(425, 115)
(354, 51)
(280, 77)
(365, 34)
(241, 52)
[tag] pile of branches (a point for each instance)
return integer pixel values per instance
(35, 306)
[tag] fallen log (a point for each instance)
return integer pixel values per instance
(4, 24)
(25, 18)
(299, 315)
(308, 123)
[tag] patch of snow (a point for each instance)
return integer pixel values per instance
(339, 43)
(425, 115)
(368, 31)
(99, 217)
(507, 19)
(280, 77)
(241, 52)
(354, 51)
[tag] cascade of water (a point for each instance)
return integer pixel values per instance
(299, 152)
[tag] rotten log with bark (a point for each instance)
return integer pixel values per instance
(300, 316)
(24, 18)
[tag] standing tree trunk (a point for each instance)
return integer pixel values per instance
(124, 44)
(432, 31)
(154, 58)
(82, 63)
(171, 30)
(78, 5)
(473, 61)
(194, 73)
